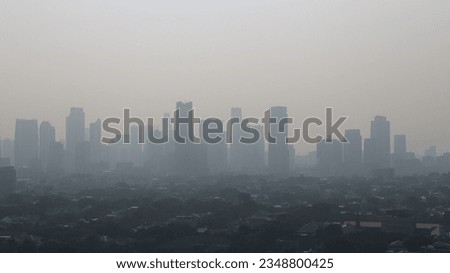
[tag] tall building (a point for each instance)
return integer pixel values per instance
(400, 147)
(404, 163)
(75, 134)
(190, 158)
(182, 160)
(369, 153)
(278, 152)
(236, 156)
(380, 134)
(26, 145)
(352, 152)
(47, 137)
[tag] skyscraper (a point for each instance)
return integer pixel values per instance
(352, 152)
(190, 158)
(402, 161)
(26, 145)
(236, 157)
(380, 134)
(399, 147)
(369, 153)
(278, 151)
(46, 140)
(182, 151)
(75, 134)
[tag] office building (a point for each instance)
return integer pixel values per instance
(26, 144)
(47, 137)
(278, 152)
(75, 134)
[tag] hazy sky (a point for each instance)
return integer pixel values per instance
(363, 58)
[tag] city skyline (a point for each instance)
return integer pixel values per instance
(418, 149)
(362, 59)
(35, 148)
(301, 147)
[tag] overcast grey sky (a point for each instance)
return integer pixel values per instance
(361, 57)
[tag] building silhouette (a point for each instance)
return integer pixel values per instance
(47, 137)
(352, 152)
(190, 158)
(26, 144)
(236, 154)
(369, 154)
(36, 149)
(399, 147)
(278, 152)
(380, 138)
(75, 136)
